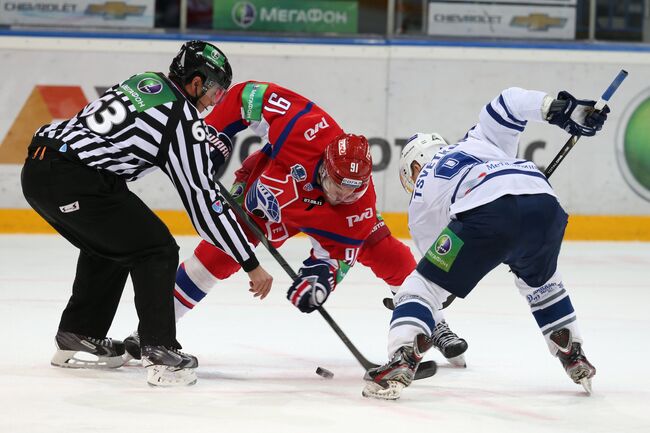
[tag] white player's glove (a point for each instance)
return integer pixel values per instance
(575, 116)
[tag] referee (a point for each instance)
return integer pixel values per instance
(75, 176)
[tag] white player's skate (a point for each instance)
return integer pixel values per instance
(573, 359)
(169, 367)
(387, 381)
(79, 351)
(449, 344)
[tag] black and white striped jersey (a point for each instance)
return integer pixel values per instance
(145, 123)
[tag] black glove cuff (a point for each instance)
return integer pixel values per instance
(557, 106)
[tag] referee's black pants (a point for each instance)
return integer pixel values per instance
(117, 234)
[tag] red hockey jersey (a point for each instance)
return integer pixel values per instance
(281, 182)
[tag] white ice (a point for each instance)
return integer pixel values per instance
(258, 358)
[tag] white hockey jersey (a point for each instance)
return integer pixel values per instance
(480, 168)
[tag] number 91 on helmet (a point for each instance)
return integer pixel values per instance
(346, 169)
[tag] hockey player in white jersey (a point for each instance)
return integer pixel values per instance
(474, 205)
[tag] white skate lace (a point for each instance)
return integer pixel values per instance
(442, 335)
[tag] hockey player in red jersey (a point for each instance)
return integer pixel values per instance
(310, 177)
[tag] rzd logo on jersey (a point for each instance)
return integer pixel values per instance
(352, 219)
(310, 133)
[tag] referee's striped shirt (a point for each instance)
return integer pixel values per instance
(146, 123)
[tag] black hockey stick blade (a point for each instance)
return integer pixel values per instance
(426, 369)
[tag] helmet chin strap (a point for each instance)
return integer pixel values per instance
(195, 99)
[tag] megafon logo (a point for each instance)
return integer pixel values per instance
(632, 149)
(443, 245)
(243, 14)
(150, 86)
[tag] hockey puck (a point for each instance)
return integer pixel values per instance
(323, 372)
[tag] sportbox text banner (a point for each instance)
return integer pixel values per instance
(411, 89)
(80, 13)
(286, 16)
(546, 20)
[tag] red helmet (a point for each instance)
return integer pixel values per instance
(348, 164)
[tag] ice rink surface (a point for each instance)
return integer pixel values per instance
(258, 358)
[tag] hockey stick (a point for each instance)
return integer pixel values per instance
(426, 369)
(388, 302)
(574, 138)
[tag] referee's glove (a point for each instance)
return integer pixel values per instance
(220, 149)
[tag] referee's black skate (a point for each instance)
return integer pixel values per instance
(573, 359)
(386, 382)
(79, 351)
(449, 344)
(169, 367)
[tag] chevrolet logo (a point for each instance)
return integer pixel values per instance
(537, 22)
(114, 10)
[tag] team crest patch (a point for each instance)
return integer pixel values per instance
(299, 173)
(308, 187)
(444, 250)
(262, 202)
(217, 206)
